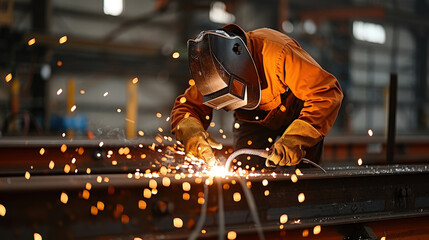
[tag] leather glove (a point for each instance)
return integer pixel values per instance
(197, 141)
(290, 148)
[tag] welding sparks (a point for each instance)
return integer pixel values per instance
(294, 178)
(64, 198)
(42, 151)
(301, 197)
(105, 94)
(360, 162)
(100, 205)
(236, 196)
(94, 210)
(85, 194)
(178, 223)
(59, 63)
(186, 186)
(236, 125)
(370, 132)
(305, 233)
(282, 108)
(63, 39)
(191, 82)
(8, 77)
(82, 92)
(51, 165)
(31, 41)
(147, 193)
(218, 171)
(118, 110)
(59, 91)
(73, 108)
(283, 219)
(135, 80)
(265, 182)
(267, 192)
(231, 235)
(27, 175)
(67, 168)
(37, 236)
(182, 100)
(383, 238)
(2, 210)
(317, 229)
(176, 55)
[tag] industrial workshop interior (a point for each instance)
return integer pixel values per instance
(203, 119)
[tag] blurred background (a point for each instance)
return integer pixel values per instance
(111, 69)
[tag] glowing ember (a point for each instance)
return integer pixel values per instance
(212, 124)
(226, 186)
(59, 63)
(282, 108)
(114, 163)
(85, 194)
(51, 165)
(236, 196)
(160, 129)
(88, 186)
(73, 108)
(64, 198)
(231, 235)
(383, 238)
(8, 77)
(266, 192)
(106, 179)
(88, 171)
(99, 179)
(201, 201)
(298, 171)
(186, 196)
(301, 197)
(158, 115)
(141, 133)
(265, 182)
(31, 41)
(283, 219)
(177, 222)
(63, 148)
(137, 238)
(59, 91)
(101, 144)
(37, 236)
(147, 193)
(203, 231)
(176, 55)
(249, 142)
(42, 151)
(182, 100)
(360, 161)
(219, 171)
(142, 205)
(294, 178)
(152, 183)
(270, 140)
(370, 132)
(100, 205)
(82, 92)
(67, 168)
(94, 210)
(105, 94)
(135, 80)
(305, 233)
(186, 186)
(207, 117)
(236, 125)
(2, 210)
(63, 39)
(166, 181)
(191, 82)
(27, 175)
(317, 229)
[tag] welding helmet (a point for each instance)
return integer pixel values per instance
(223, 69)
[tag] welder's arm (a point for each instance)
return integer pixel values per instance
(189, 119)
(291, 147)
(196, 140)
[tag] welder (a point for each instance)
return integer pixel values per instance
(282, 99)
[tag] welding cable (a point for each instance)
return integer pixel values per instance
(252, 206)
(194, 235)
(264, 154)
(221, 216)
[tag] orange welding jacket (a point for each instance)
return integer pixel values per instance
(282, 66)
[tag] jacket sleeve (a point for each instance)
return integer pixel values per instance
(320, 90)
(193, 106)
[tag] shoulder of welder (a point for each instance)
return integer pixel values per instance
(270, 36)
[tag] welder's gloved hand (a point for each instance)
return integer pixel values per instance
(290, 148)
(197, 141)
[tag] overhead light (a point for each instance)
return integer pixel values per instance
(287, 26)
(113, 7)
(369, 32)
(310, 27)
(218, 13)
